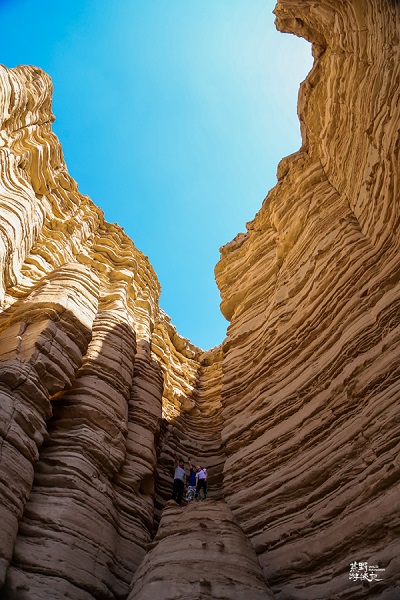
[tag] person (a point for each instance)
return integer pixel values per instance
(201, 482)
(179, 480)
(191, 490)
(206, 483)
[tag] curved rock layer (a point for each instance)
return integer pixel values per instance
(311, 370)
(295, 416)
(200, 553)
(91, 371)
(194, 434)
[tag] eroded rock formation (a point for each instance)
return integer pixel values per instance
(295, 415)
(211, 560)
(311, 362)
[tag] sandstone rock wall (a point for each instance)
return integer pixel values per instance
(295, 415)
(195, 431)
(91, 370)
(311, 362)
(200, 553)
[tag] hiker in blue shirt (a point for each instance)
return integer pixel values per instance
(192, 482)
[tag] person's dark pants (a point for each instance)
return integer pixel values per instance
(201, 483)
(177, 490)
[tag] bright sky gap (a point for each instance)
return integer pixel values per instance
(173, 117)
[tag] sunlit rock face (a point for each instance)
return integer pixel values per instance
(295, 416)
(91, 372)
(311, 366)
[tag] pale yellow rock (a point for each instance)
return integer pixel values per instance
(74, 288)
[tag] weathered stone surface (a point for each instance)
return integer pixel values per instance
(200, 552)
(195, 430)
(42, 343)
(295, 415)
(79, 307)
(311, 362)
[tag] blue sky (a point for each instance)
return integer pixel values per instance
(173, 116)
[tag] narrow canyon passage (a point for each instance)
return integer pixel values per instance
(295, 415)
(196, 430)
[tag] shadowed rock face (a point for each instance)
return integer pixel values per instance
(200, 552)
(295, 415)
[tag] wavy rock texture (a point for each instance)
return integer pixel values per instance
(311, 371)
(295, 415)
(89, 364)
(195, 431)
(200, 553)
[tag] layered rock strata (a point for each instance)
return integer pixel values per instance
(200, 553)
(195, 432)
(91, 370)
(295, 416)
(311, 377)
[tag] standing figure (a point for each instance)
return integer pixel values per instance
(206, 483)
(191, 491)
(179, 480)
(201, 482)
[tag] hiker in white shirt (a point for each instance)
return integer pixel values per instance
(201, 482)
(179, 480)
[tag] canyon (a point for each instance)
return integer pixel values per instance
(295, 415)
